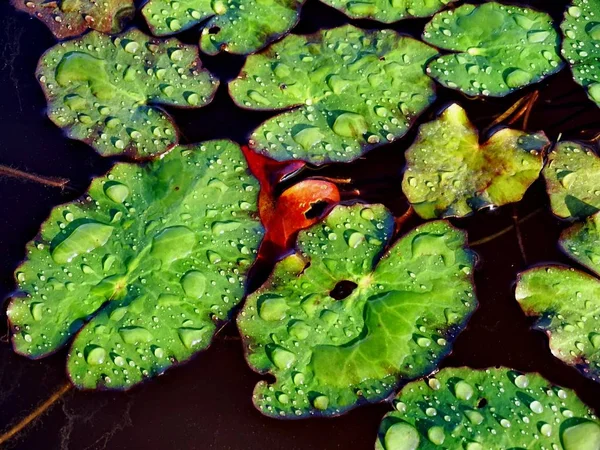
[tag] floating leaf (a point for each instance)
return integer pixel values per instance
(104, 90)
(387, 11)
(581, 44)
(350, 90)
(497, 49)
(337, 326)
(572, 177)
(68, 18)
(448, 173)
(582, 243)
(488, 409)
(144, 268)
(238, 26)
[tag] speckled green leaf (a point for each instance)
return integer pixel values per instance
(235, 26)
(347, 89)
(104, 90)
(489, 409)
(144, 268)
(388, 11)
(448, 173)
(582, 243)
(496, 49)
(68, 18)
(572, 177)
(330, 352)
(581, 44)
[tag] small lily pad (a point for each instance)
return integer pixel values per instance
(572, 177)
(235, 26)
(348, 90)
(448, 173)
(338, 326)
(488, 409)
(103, 90)
(144, 268)
(581, 44)
(387, 11)
(69, 18)
(496, 49)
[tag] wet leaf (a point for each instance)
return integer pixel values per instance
(349, 90)
(145, 268)
(387, 11)
(488, 409)
(448, 173)
(572, 177)
(338, 327)
(581, 44)
(69, 18)
(103, 90)
(496, 49)
(238, 26)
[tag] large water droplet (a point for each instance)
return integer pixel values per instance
(135, 335)
(350, 125)
(273, 309)
(191, 337)
(401, 436)
(583, 436)
(95, 355)
(173, 243)
(83, 239)
(194, 284)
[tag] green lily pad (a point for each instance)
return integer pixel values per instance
(387, 11)
(338, 326)
(68, 18)
(348, 90)
(488, 409)
(144, 268)
(467, 176)
(581, 44)
(103, 90)
(236, 26)
(582, 243)
(497, 49)
(572, 177)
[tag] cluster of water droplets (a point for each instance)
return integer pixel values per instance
(387, 11)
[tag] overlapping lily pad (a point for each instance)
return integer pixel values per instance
(347, 89)
(488, 409)
(581, 44)
(448, 173)
(104, 90)
(68, 18)
(572, 177)
(338, 326)
(145, 268)
(496, 49)
(235, 26)
(388, 11)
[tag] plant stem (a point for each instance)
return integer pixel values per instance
(502, 232)
(48, 181)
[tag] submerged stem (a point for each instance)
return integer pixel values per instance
(48, 181)
(502, 232)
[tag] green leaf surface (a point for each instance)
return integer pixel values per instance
(388, 11)
(448, 173)
(144, 268)
(330, 352)
(235, 26)
(348, 90)
(68, 18)
(582, 243)
(572, 176)
(489, 409)
(581, 44)
(496, 49)
(103, 90)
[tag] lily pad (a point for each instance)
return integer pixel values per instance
(448, 173)
(496, 49)
(572, 177)
(235, 26)
(68, 18)
(488, 409)
(581, 44)
(348, 90)
(145, 268)
(338, 326)
(387, 11)
(104, 90)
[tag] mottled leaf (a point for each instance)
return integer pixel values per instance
(581, 44)
(448, 173)
(103, 90)
(488, 409)
(338, 326)
(582, 243)
(388, 11)
(348, 90)
(145, 268)
(496, 49)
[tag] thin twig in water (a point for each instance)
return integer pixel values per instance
(515, 218)
(400, 221)
(502, 232)
(506, 114)
(529, 108)
(19, 174)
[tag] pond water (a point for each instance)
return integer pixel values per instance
(206, 404)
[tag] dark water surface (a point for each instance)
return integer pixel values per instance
(206, 404)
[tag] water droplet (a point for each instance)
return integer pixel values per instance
(191, 337)
(193, 284)
(95, 355)
(83, 239)
(135, 335)
(173, 243)
(282, 358)
(350, 125)
(583, 436)
(436, 435)
(117, 192)
(401, 436)
(321, 402)
(272, 309)
(463, 390)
